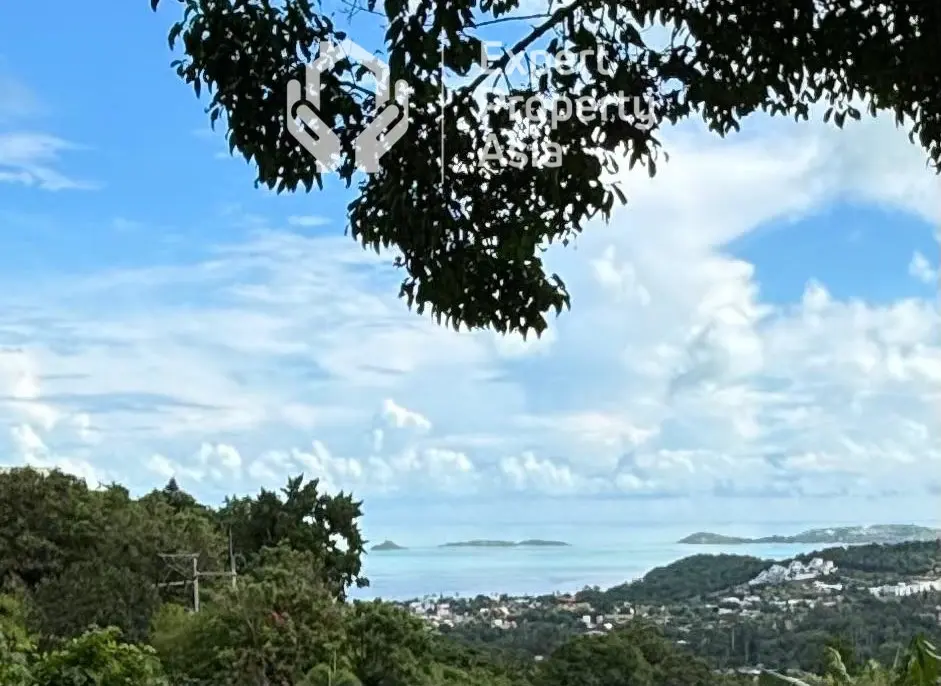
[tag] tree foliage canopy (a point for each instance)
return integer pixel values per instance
(470, 238)
(101, 548)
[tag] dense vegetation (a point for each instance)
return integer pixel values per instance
(880, 533)
(693, 576)
(912, 557)
(87, 600)
(683, 594)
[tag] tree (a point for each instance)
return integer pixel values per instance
(98, 548)
(306, 520)
(176, 497)
(469, 236)
(101, 592)
(919, 665)
(99, 658)
(175, 636)
(47, 522)
(593, 661)
(16, 645)
(387, 645)
(280, 623)
(634, 656)
(329, 675)
(839, 656)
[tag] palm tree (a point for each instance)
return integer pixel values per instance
(919, 665)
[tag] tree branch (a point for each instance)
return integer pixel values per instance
(505, 19)
(538, 32)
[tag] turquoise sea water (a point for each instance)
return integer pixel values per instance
(412, 573)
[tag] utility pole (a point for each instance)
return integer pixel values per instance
(232, 561)
(194, 574)
(195, 583)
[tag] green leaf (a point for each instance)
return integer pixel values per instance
(175, 31)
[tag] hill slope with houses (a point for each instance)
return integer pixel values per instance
(736, 610)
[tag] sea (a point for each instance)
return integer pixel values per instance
(589, 560)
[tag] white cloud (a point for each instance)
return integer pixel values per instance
(32, 159)
(219, 462)
(32, 451)
(20, 382)
(672, 374)
(383, 471)
(514, 345)
(160, 465)
(528, 472)
(921, 269)
(29, 157)
(27, 440)
(308, 221)
(400, 417)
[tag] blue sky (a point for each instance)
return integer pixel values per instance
(756, 337)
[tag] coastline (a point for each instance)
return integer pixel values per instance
(402, 575)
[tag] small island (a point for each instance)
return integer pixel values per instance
(707, 538)
(479, 543)
(387, 545)
(880, 533)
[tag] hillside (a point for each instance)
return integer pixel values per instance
(703, 575)
(911, 558)
(739, 611)
(387, 545)
(691, 577)
(855, 535)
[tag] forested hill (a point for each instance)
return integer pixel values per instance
(880, 533)
(694, 576)
(702, 575)
(911, 558)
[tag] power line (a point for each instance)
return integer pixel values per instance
(192, 571)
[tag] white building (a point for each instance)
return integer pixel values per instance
(902, 588)
(794, 571)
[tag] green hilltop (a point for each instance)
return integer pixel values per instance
(880, 533)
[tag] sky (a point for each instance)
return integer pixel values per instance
(754, 337)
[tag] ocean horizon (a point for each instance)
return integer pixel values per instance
(431, 569)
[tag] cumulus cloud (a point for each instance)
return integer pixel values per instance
(402, 418)
(388, 467)
(32, 451)
(527, 472)
(216, 461)
(673, 374)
